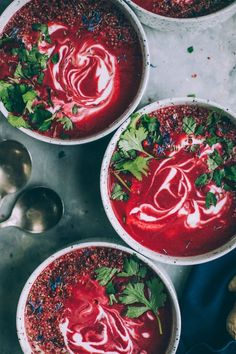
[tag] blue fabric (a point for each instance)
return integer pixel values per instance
(205, 305)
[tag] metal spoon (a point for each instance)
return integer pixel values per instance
(15, 167)
(36, 210)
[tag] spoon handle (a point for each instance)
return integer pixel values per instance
(7, 223)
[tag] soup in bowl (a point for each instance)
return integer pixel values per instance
(183, 15)
(168, 181)
(70, 71)
(98, 297)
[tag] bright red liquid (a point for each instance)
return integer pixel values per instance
(99, 64)
(166, 212)
(67, 309)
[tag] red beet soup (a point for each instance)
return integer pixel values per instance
(68, 69)
(183, 8)
(172, 180)
(98, 300)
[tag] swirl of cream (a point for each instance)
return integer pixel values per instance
(85, 73)
(175, 195)
(92, 326)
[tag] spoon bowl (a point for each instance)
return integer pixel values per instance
(36, 210)
(15, 167)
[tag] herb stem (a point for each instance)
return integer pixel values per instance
(121, 181)
(159, 325)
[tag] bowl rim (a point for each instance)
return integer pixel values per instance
(16, 5)
(187, 20)
(161, 273)
(167, 259)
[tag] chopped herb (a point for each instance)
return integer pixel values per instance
(189, 125)
(191, 95)
(40, 115)
(230, 173)
(46, 125)
(11, 96)
(202, 180)
(17, 122)
(214, 160)
(75, 109)
(212, 140)
(135, 294)
(133, 268)
(43, 28)
(55, 58)
(40, 78)
(66, 122)
(190, 49)
(118, 193)
(210, 200)
(200, 130)
(105, 274)
(29, 98)
(218, 176)
(132, 139)
(137, 167)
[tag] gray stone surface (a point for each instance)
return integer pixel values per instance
(208, 72)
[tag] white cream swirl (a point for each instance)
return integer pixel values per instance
(176, 194)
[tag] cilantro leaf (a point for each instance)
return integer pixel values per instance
(11, 97)
(45, 125)
(39, 115)
(29, 98)
(189, 125)
(133, 268)
(55, 58)
(200, 130)
(105, 274)
(230, 173)
(137, 167)
(134, 294)
(66, 122)
(43, 28)
(113, 299)
(75, 109)
(40, 78)
(210, 200)
(136, 311)
(218, 176)
(17, 122)
(202, 180)
(158, 296)
(118, 193)
(214, 160)
(213, 140)
(132, 139)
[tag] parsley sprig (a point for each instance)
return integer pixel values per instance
(140, 295)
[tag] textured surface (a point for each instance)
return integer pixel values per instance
(209, 72)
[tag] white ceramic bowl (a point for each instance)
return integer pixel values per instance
(164, 23)
(176, 318)
(130, 15)
(107, 202)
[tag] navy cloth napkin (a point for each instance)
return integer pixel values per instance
(205, 304)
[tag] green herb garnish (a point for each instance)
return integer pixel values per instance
(189, 125)
(118, 193)
(43, 29)
(105, 274)
(17, 122)
(55, 58)
(134, 294)
(214, 160)
(202, 180)
(66, 122)
(210, 200)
